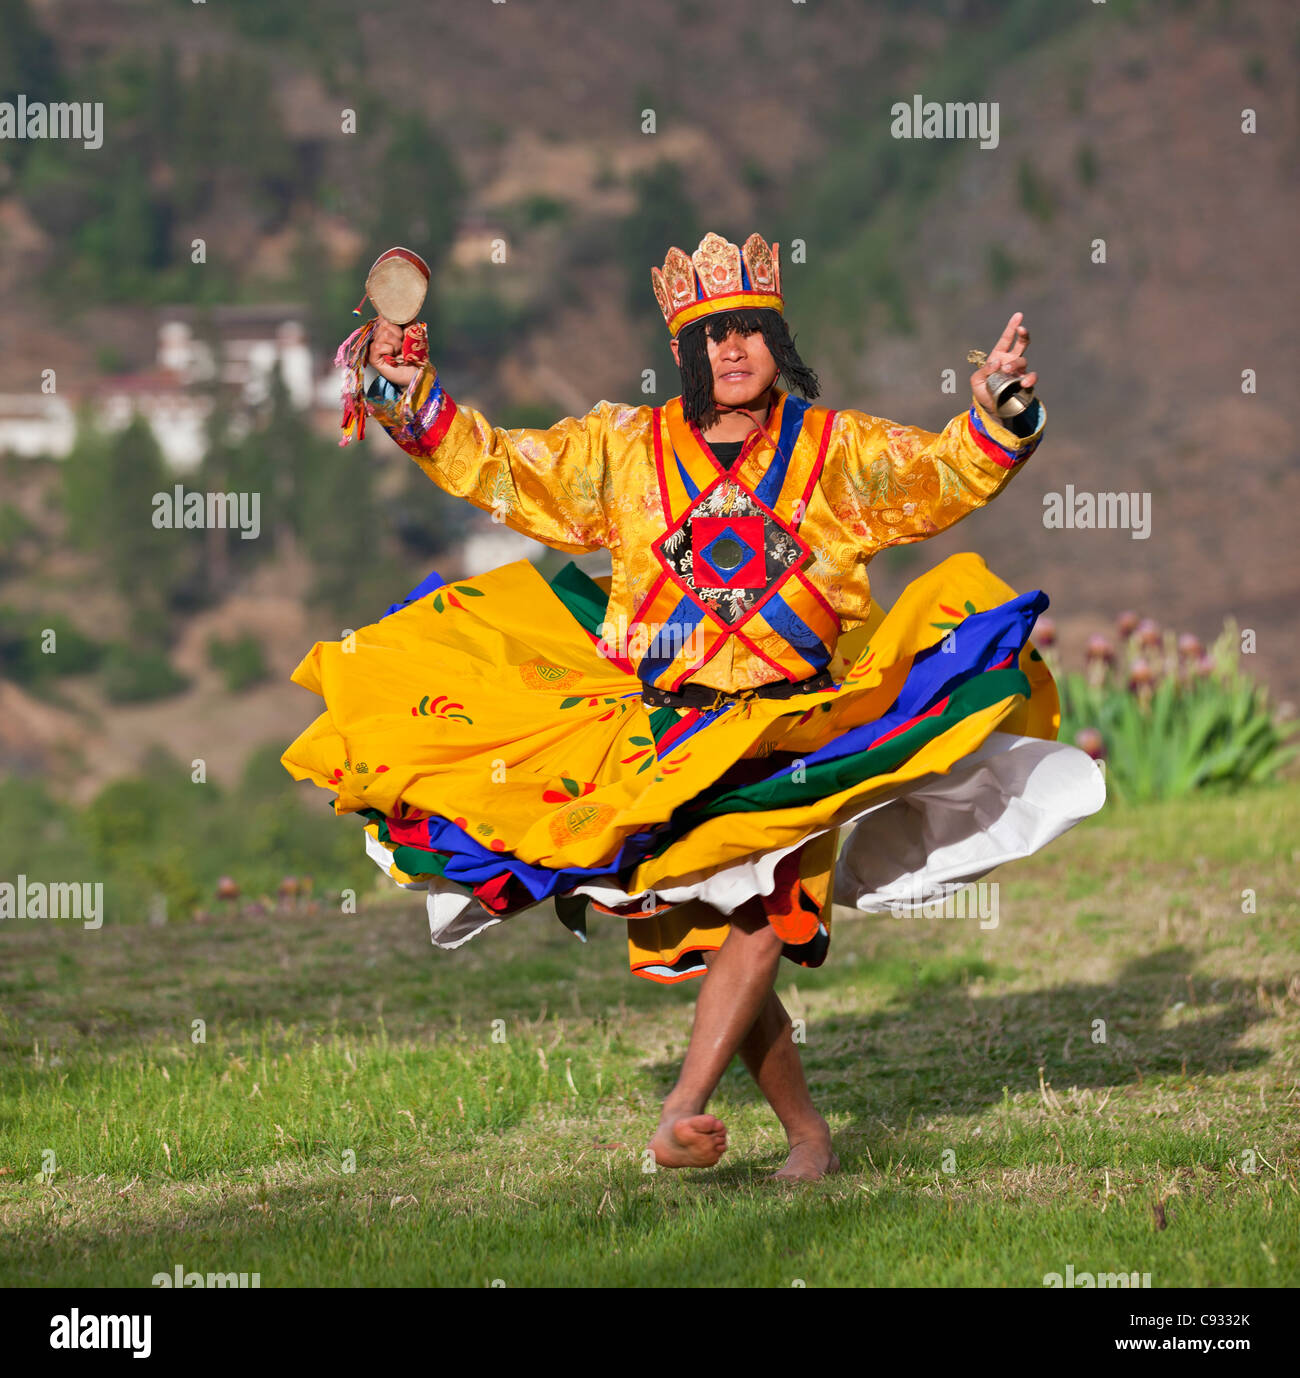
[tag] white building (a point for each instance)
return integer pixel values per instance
(235, 348)
(33, 423)
(240, 346)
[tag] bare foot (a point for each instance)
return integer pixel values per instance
(809, 1161)
(689, 1141)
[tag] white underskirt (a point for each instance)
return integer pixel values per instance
(926, 839)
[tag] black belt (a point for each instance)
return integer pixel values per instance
(701, 696)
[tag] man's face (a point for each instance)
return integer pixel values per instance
(743, 368)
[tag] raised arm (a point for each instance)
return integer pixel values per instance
(549, 484)
(908, 483)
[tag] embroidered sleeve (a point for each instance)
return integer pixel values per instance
(549, 484)
(907, 483)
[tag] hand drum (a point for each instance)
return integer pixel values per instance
(396, 285)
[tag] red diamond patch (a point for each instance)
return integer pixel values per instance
(728, 552)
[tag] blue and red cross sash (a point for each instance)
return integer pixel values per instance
(731, 557)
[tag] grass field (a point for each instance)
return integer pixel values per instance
(350, 1119)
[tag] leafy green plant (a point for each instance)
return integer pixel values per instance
(1085, 164)
(1036, 195)
(140, 676)
(1170, 719)
(240, 661)
(1002, 268)
(159, 833)
(35, 647)
(14, 527)
(538, 209)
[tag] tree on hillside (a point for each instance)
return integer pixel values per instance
(28, 63)
(83, 480)
(419, 194)
(663, 215)
(344, 531)
(143, 560)
(109, 484)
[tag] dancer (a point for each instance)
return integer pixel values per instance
(684, 742)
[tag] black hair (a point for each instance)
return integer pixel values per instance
(697, 375)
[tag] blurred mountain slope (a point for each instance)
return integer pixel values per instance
(1119, 122)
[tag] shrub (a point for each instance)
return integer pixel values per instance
(1036, 195)
(158, 834)
(539, 209)
(139, 676)
(1169, 718)
(1002, 268)
(14, 527)
(477, 321)
(240, 661)
(1085, 163)
(23, 657)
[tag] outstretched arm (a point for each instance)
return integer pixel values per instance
(547, 484)
(908, 483)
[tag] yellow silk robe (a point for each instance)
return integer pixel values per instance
(826, 490)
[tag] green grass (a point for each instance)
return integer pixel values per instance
(350, 1119)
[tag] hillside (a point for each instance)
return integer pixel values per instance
(1120, 122)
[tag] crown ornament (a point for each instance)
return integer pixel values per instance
(718, 277)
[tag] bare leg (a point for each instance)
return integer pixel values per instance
(772, 1057)
(737, 984)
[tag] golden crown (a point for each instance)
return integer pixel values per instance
(718, 277)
